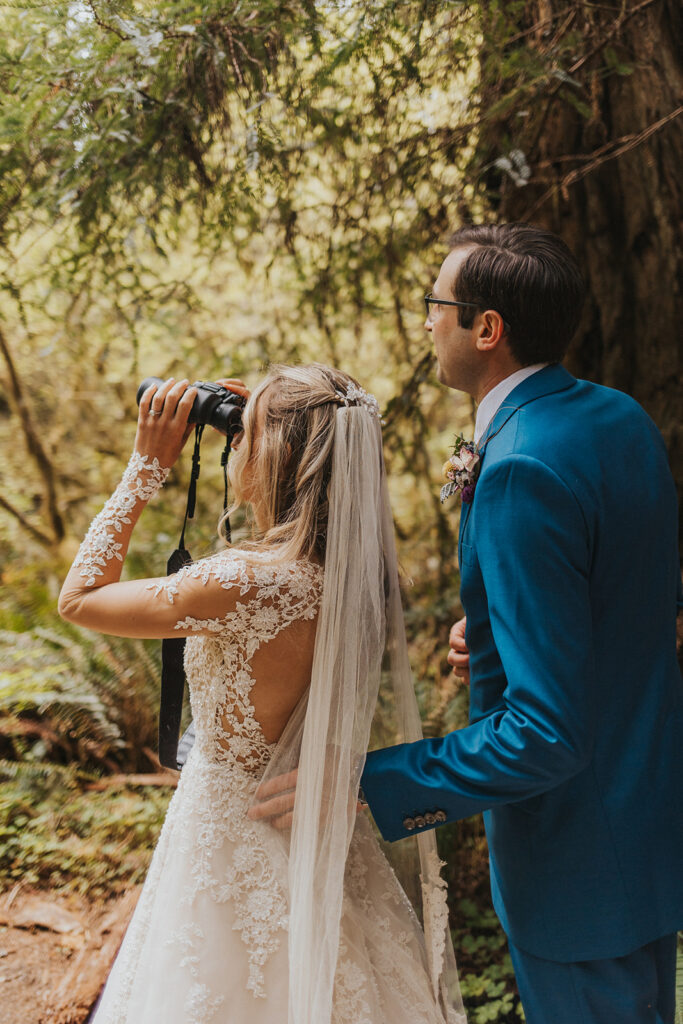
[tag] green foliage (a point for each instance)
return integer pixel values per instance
(486, 975)
(54, 833)
(69, 696)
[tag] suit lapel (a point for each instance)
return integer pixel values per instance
(549, 380)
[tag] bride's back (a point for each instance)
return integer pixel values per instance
(282, 672)
(251, 638)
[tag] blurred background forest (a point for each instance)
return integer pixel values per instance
(196, 189)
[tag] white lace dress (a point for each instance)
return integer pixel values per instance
(208, 941)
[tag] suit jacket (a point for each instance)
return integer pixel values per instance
(574, 751)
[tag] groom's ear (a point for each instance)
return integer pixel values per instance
(490, 330)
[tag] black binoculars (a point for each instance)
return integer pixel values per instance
(214, 405)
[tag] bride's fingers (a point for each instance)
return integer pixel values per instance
(236, 385)
(278, 784)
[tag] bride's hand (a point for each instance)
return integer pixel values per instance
(236, 385)
(162, 420)
(239, 388)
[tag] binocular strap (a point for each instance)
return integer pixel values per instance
(172, 681)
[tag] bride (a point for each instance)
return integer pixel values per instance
(289, 636)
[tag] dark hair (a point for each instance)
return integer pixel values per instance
(530, 277)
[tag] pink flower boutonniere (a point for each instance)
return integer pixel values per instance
(461, 470)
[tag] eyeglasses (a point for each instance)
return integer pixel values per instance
(431, 301)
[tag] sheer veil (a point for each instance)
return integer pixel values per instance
(360, 642)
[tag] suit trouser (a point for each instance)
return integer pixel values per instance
(634, 989)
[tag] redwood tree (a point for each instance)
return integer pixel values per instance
(581, 133)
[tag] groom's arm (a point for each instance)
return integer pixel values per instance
(534, 552)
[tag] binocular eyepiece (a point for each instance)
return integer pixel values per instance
(214, 405)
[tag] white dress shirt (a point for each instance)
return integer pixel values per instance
(491, 402)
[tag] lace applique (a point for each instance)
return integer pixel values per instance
(241, 570)
(435, 904)
(199, 1006)
(350, 983)
(140, 481)
(186, 938)
(248, 879)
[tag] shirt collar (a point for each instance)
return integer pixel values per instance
(493, 400)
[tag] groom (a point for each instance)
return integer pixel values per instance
(569, 579)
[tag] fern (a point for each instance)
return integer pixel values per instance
(96, 697)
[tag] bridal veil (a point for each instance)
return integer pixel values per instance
(360, 646)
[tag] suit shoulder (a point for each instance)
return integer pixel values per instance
(585, 414)
(619, 402)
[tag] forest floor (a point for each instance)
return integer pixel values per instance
(55, 953)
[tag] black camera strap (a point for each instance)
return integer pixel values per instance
(173, 648)
(225, 455)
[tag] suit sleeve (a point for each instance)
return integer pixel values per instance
(533, 547)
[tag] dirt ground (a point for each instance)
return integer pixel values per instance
(55, 954)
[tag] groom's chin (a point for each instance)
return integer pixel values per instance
(444, 378)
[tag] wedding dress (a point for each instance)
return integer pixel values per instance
(208, 941)
(239, 922)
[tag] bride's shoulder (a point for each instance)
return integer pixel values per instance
(248, 573)
(260, 568)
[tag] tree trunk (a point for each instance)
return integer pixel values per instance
(605, 153)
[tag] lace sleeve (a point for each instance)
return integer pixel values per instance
(231, 593)
(102, 543)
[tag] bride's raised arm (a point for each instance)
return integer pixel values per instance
(93, 594)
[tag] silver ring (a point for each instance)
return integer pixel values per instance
(154, 412)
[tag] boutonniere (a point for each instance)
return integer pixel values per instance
(461, 470)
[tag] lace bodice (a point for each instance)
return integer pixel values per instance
(218, 663)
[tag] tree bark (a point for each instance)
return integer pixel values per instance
(607, 180)
(39, 454)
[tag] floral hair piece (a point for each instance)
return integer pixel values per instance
(358, 396)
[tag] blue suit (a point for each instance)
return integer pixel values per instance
(574, 751)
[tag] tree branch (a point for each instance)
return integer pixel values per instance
(42, 538)
(34, 445)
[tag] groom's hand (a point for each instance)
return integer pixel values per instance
(276, 800)
(458, 656)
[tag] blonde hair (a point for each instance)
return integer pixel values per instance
(290, 461)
